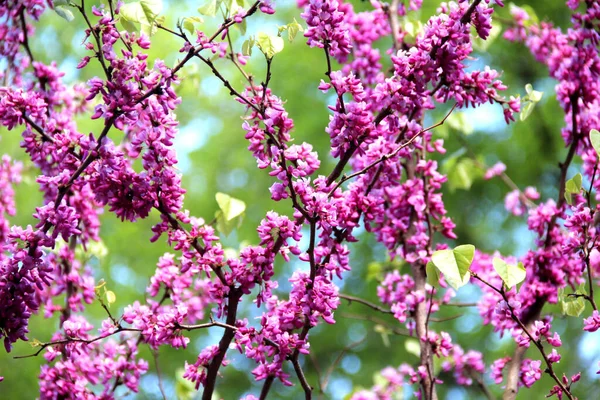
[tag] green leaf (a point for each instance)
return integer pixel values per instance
(511, 274)
(533, 18)
(229, 5)
(483, 45)
(595, 140)
(526, 111)
(110, 297)
(293, 29)
(454, 264)
(247, 47)
(269, 45)
(242, 26)
(462, 173)
(572, 306)
(433, 274)
(230, 206)
(184, 389)
(413, 347)
(210, 8)
(143, 12)
(374, 271)
(64, 12)
(223, 226)
(572, 186)
(460, 122)
(189, 24)
(533, 95)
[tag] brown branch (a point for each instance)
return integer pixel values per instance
(549, 370)
(266, 387)
(158, 374)
(25, 38)
(303, 382)
(395, 330)
(37, 128)
(365, 302)
(68, 340)
(386, 157)
(533, 312)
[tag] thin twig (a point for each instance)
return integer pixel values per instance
(338, 359)
(365, 302)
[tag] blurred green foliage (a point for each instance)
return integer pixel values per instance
(214, 158)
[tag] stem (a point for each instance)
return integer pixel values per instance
(303, 382)
(365, 302)
(228, 335)
(266, 387)
(533, 312)
(549, 370)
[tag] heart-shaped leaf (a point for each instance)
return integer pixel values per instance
(454, 264)
(511, 274)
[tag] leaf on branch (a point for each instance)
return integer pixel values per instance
(461, 173)
(572, 187)
(526, 111)
(110, 297)
(143, 12)
(533, 95)
(230, 206)
(511, 274)
(210, 8)
(247, 46)
(460, 122)
(230, 209)
(189, 24)
(269, 45)
(572, 305)
(433, 274)
(595, 140)
(64, 12)
(454, 264)
(292, 30)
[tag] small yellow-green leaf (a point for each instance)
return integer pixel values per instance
(143, 12)
(209, 8)
(413, 347)
(293, 29)
(460, 122)
(64, 12)
(572, 306)
(184, 389)
(110, 297)
(526, 111)
(454, 264)
(269, 45)
(247, 47)
(595, 140)
(572, 186)
(374, 271)
(433, 274)
(482, 45)
(511, 274)
(189, 24)
(230, 206)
